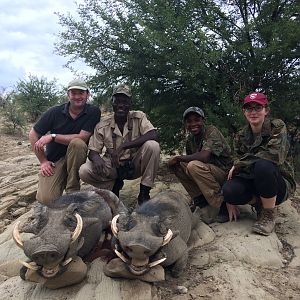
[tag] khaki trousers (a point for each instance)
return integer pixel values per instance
(202, 178)
(65, 174)
(146, 162)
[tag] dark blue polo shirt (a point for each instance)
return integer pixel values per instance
(58, 120)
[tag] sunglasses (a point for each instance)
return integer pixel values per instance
(256, 108)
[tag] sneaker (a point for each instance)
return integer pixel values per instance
(266, 222)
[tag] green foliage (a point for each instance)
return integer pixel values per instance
(35, 96)
(14, 118)
(178, 53)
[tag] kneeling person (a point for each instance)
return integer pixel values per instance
(131, 148)
(202, 171)
(70, 126)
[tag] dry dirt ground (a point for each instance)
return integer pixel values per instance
(230, 262)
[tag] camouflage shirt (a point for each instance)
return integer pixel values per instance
(211, 139)
(271, 144)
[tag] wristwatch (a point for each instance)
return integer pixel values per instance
(53, 135)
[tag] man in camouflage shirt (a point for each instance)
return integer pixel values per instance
(203, 170)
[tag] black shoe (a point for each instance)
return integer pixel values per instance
(144, 194)
(200, 201)
(223, 216)
(119, 183)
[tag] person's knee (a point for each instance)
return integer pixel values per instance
(78, 143)
(84, 173)
(152, 146)
(196, 167)
(263, 168)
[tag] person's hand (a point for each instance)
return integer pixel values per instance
(43, 141)
(173, 161)
(231, 173)
(98, 165)
(233, 212)
(47, 168)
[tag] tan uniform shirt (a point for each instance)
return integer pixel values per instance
(102, 138)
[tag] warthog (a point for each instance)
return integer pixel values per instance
(69, 227)
(155, 233)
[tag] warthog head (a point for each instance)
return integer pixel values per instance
(139, 238)
(57, 233)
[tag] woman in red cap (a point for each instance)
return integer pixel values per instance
(261, 174)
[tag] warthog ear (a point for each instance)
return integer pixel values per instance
(165, 224)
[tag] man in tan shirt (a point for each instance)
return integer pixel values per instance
(130, 145)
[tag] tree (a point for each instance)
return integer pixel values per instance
(178, 53)
(36, 95)
(14, 118)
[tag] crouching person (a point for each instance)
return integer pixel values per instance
(131, 148)
(203, 170)
(64, 131)
(261, 169)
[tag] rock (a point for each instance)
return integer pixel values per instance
(19, 212)
(181, 289)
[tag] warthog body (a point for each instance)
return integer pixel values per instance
(156, 232)
(69, 227)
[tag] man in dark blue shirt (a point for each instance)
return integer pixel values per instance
(59, 140)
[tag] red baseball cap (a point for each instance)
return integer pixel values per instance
(259, 98)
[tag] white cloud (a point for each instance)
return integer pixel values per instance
(27, 30)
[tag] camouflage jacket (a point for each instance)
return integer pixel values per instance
(211, 139)
(271, 144)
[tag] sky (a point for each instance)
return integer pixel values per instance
(28, 31)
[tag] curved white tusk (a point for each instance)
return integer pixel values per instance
(32, 265)
(157, 262)
(113, 226)
(78, 228)
(120, 255)
(167, 237)
(67, 261)
(16, 235)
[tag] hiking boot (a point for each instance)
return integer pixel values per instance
(266, 222)
(198, 201)
(119, 183)
(144, 194)
(207, 214)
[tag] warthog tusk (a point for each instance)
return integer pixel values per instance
(32, 265)
(120, 255)
(78, 228)
(167, 237)
(113, 226)
(67, 261)
(16, 235)
(157, 262)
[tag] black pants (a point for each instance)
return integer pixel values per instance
(267, 182)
